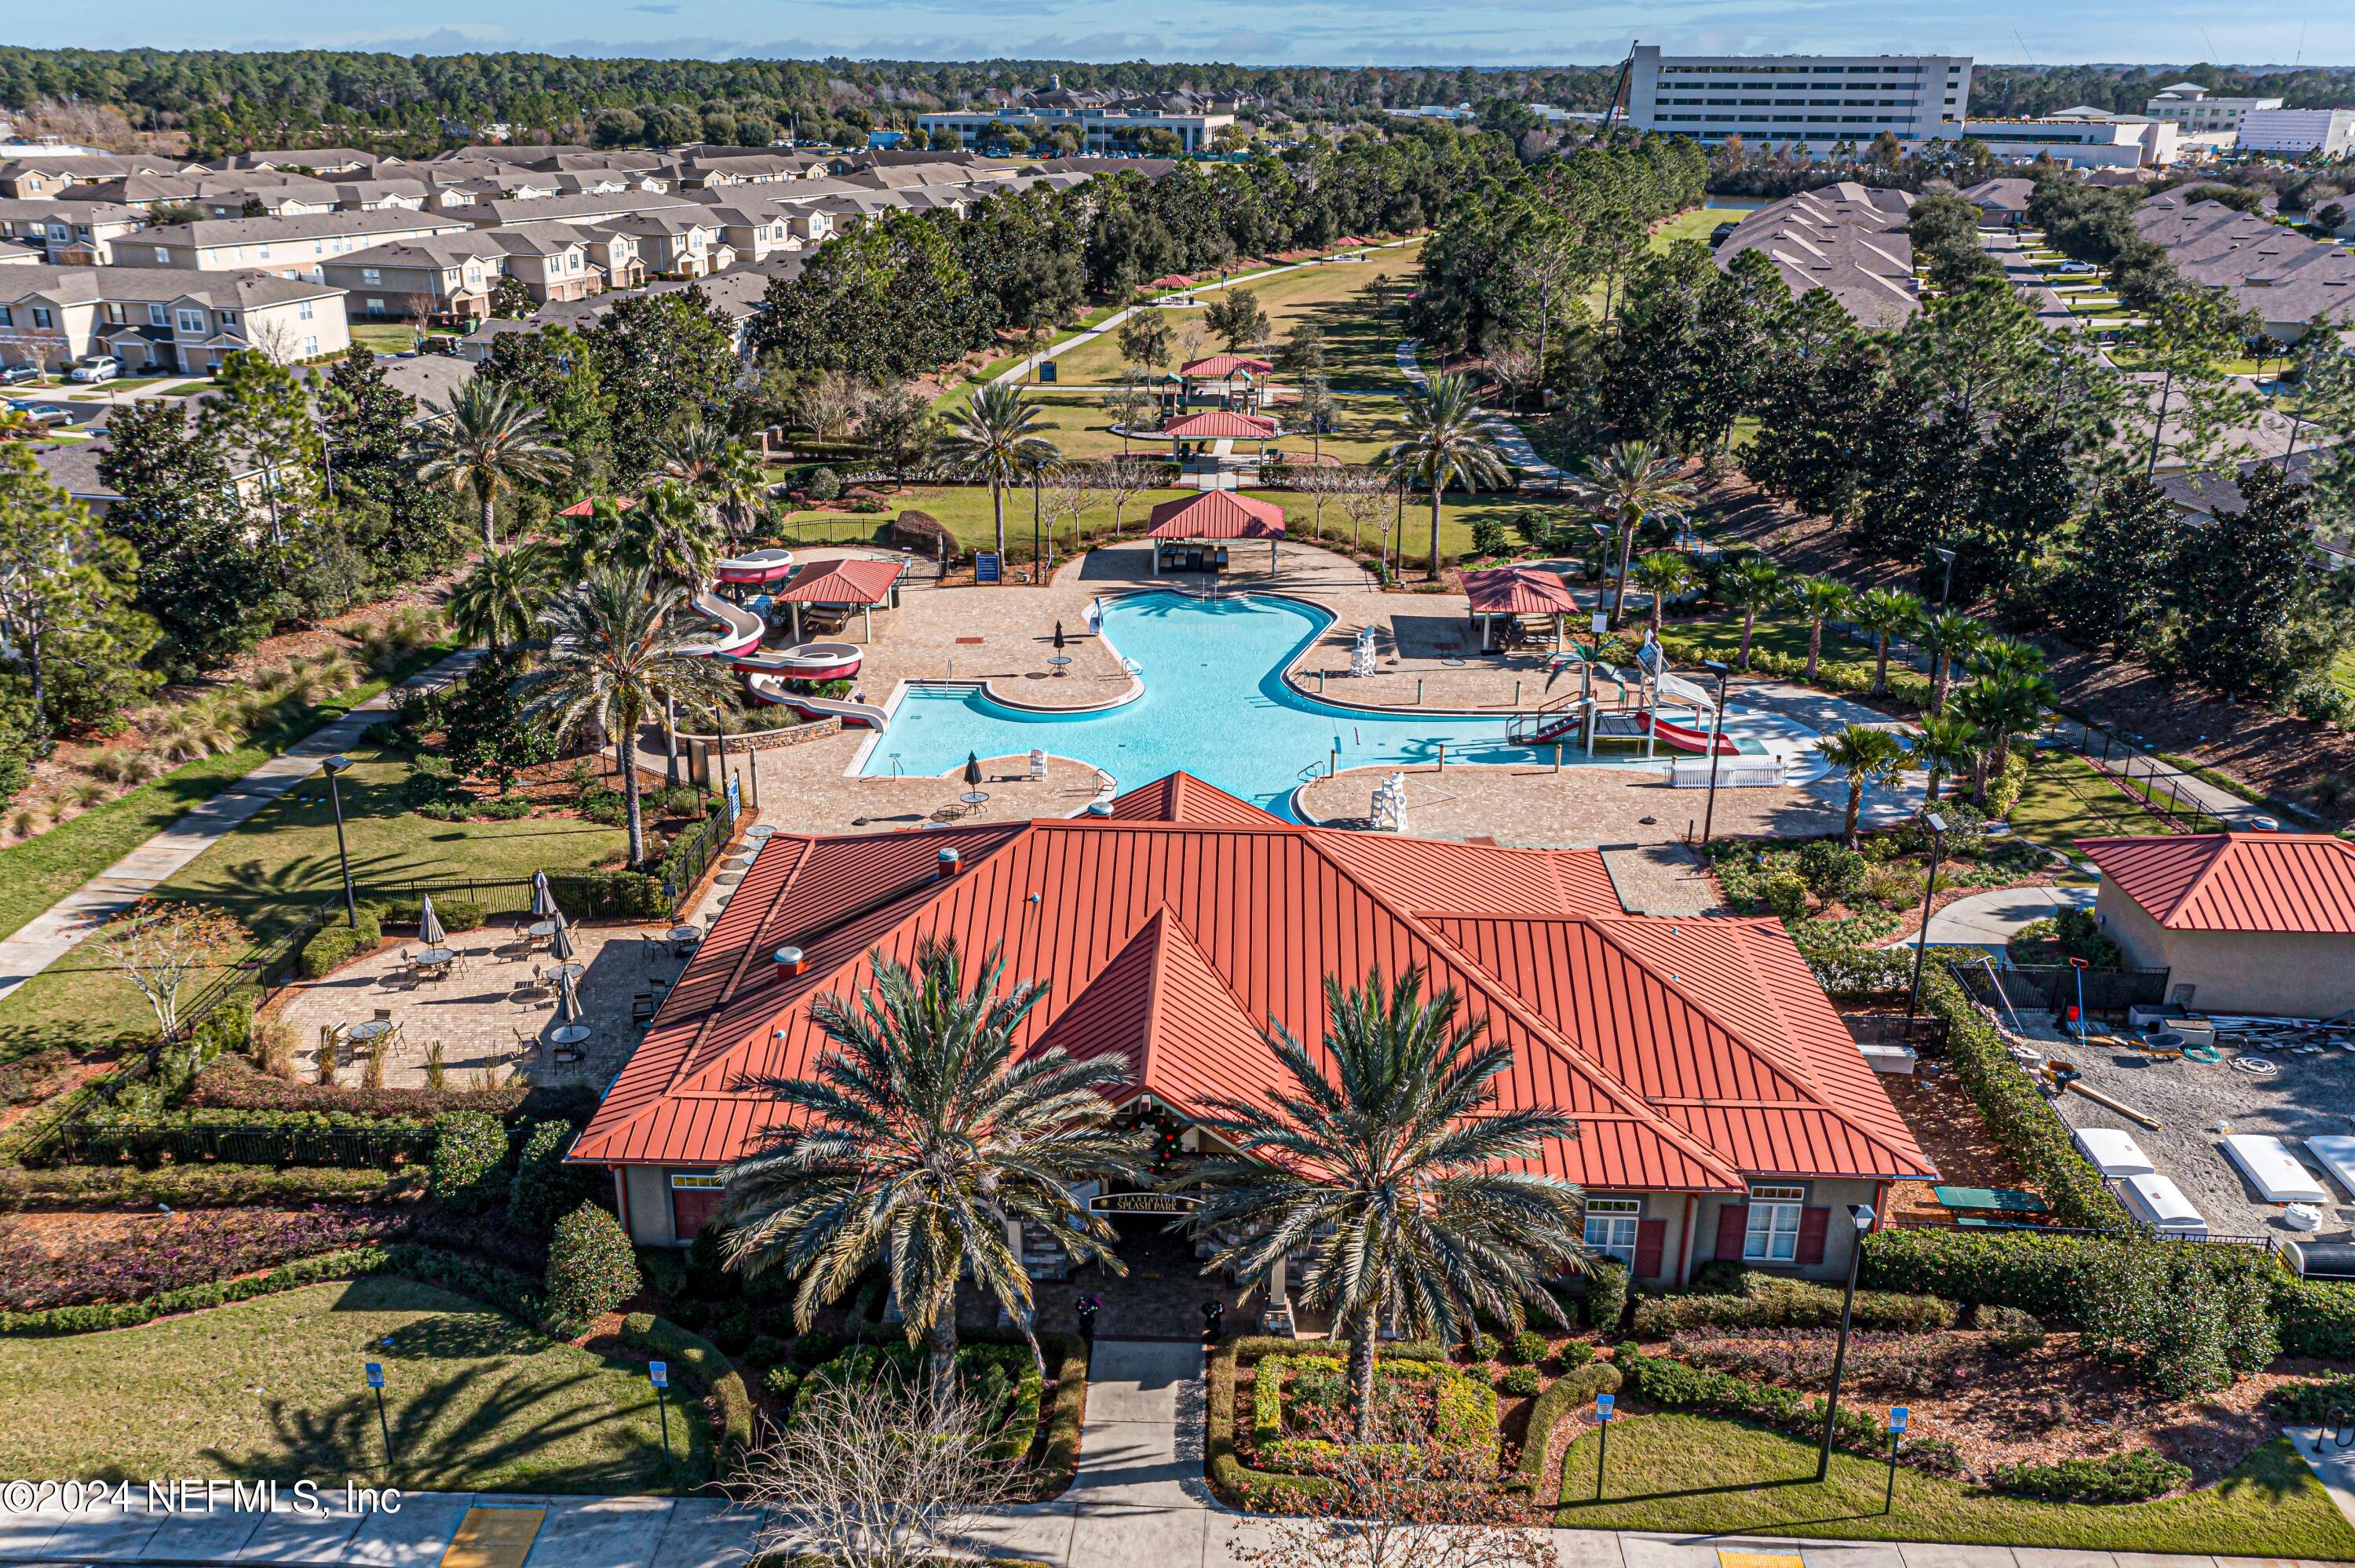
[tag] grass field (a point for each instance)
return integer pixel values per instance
(2066, 798)
(272, 1387)
(1686, 1473)
(1078, 423)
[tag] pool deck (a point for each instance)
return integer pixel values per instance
(1428, 661)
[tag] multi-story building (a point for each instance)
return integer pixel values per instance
(154, 320)
(67, 234)
(2296, 132)
(290, 247)
(2082, 137)
(1816, 102)
(445, 278)
(1104, 120)
(2200, 114)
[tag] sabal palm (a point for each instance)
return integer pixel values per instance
(921, 1139)
(2006, 703)
(1630, 483)
(1445, 444)
(735, 484)
(496, 602)
(1392, 1169)
(1884, 612)
(1752, 583)
(689, 448)
(1819, 599)
(667, 534)
(1947, 637)
(1865, 756)
(487, 438)
(1947, 747)
(1975, 704)
(616, 649)
(1663, 573)
(995, 437)
(2004, 656)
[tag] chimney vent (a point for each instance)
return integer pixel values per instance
(789, 960)
(950, 863)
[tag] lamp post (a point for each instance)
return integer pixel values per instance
(659, 1374)
(333, 766)
(1862, 1213)
(1947, 591)
(1938, 826)
(1718, 668)
(1897, 1413)
(1604, 1403)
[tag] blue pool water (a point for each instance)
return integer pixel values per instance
(1215, 704)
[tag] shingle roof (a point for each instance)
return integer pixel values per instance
(2301, 882)
(1692, 1053)
(308, 226)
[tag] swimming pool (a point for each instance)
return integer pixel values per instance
(1215, 704)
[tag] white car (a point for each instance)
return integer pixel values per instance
(99, 369)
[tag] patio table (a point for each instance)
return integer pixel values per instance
(685, 937)
(375, 1028)
(1997, 1200)
(759, 830)
(540, 930)
(434, 957)
(973, 801)
(568, 1034)
(575, 970)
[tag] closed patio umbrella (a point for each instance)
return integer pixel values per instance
(562, 948)
(543, 902)
(1059, 637)
(973, 768)
(568, 1002)
(429, 923)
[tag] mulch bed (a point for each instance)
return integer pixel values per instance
(1951, 1132)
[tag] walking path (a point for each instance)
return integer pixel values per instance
(1139, 1502)
(1991, 919)
(65, 925)
(1506, 434)
(2166, 778)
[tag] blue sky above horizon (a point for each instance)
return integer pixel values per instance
(1245, 32)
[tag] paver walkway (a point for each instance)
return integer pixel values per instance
(65, 925)
(1139, 1502)
(1506, 434)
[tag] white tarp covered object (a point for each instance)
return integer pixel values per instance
(2111, 1151)
(2336, 1154)
(2272, 1169)
(2160, 1204)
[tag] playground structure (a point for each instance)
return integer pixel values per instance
(1657, 690)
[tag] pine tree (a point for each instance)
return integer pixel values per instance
(2256, 613)
(200, 578)
(262, 412)
(67, 624)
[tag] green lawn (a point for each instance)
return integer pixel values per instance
(1695, 223)
(1079, 424)
(273, 1388)
(383, 337)
(2066, 798)
(1699, 1475)
(1785, 635)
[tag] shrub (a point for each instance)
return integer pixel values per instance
(2011, 1330)
(2072, 934)
(2129, 1475)
(1784, 892)
(1572, 1392)
(2315, 1317)
(1774, 1302)
(1606, 1294)
(188, 1250)
(1672, 1385)
(920, 533)
(469, 1153)
(767, 1350)
(335, 944)
(665, 1274)
(2183, 1324)
(457, 913)
(2310, 1404)
(544, 1187)
(1485, 1347)
(604, 806)
(1574, 1354)
(1522, 1381)
(1490, 536)
(1832, 869)
(590, 1269)
(209, 1186)
(661, 1338)
(1526, 1346)
(780, 1383)
(733, 1331)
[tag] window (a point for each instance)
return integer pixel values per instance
(155, 315)
(1772, 1234)
(371, 275)
(41, 317)
(229, 318)
(376, 305)
(163, 256)
(263, 252)
(1610, 1226)
(6, 317)
(303, 311)
(310, 348)
(192, 321)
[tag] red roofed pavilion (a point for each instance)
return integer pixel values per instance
(2259, 923)
(1722, 1109)
(1516, 591)
(1216, 514)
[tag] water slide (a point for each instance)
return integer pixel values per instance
(768, 689)
(740, 629)
(1684, 738)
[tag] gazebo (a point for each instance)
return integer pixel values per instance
(1518, 591)
(1218, 425)
(1237, 375)
(1214, 514)
(849, 582)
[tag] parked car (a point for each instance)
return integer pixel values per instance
(103, 368)
(2075, 268)
(40, 413)
(18, 374)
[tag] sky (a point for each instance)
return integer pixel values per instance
(1243, 32)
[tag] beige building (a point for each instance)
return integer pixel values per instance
(290, 247)
(68, 233)
(157, 320)
(2257, 923)
(446, 278)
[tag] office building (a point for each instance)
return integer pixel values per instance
(2199, 113)
(2082, 137)
(2296, 132)
(1814, 101)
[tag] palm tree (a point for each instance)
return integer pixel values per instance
(616, 649)
(1663, 573)
(689, 448)
(1446, 441)
(1975, 705)
(996, 436)
(1393, 1169)
(1751, 584)
(922, 1139)
(1948, 637)
(666, 533)
(1884, 612)
(2006, 703)
(2004, 656)
(1819, 599)
(487, 439)
(496, 602)
(1632, 481)
(1947, 745)
(1867, 756)
(706, 458)
(736, 484)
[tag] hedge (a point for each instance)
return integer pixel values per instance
(2312, 1403)
(218, 1186)
(232, 1084)
(1606, 1294)
(1228, 1473)
(2131, 1476)
(661, 1336)
(1773, 1301)
(470, 1155)
(1831, 675)
(456, 913)
(1570, 1391)
(333, 945)
(2315, 1317)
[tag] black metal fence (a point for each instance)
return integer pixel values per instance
(691, 853)
(2158, 785)
(2054, 988)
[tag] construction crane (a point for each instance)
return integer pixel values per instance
(1618, 87)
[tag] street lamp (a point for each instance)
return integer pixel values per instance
(659, 1374)
(1718, 668)
(1945, 593)
(1938, 826)
(1862, 1213)
(335, 765)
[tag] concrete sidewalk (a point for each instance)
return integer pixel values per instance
(67, 924)
(1509, 437)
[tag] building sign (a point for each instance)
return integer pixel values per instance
(986, 567)
(1140, 1203)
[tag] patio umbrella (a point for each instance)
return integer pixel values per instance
(1059, 637)
(429, 923)
(543, 902)
(973, 768)
(568, 1002)
(562, 948)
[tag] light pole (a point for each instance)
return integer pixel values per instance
(1897, 1413)
(1938, 826)
(335, 765)
(659, 1374)
(1947, 591)
(1862, 1213)
(1716, 729)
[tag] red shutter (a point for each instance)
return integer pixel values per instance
(1651, 1241)
(690, 1207)
(1732, 1221)
(1813, 1223)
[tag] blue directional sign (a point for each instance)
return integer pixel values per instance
(659, 1374)
(1602, 1407)
(1897, 1413)
(376, 1374)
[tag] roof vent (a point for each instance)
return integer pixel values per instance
(951, 861)
(1100, 808)
(789, 960)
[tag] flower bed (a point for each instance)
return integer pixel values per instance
(175, 1251)
(1297, 1401)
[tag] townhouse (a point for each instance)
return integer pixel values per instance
(2284, 276)
(159, 320)
(1847, 238)
(445, 278)
(67, 234)
(674, 242)
(290, 247)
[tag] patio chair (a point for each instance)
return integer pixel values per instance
(383, 1015)
(641, 1009)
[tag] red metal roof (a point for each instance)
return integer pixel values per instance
(1224, 364)
(1518, 590)
(851, 580)
(1223, 424)
(2235, 882)
(1217, 514)
(1691, 1052)
(583, 508)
